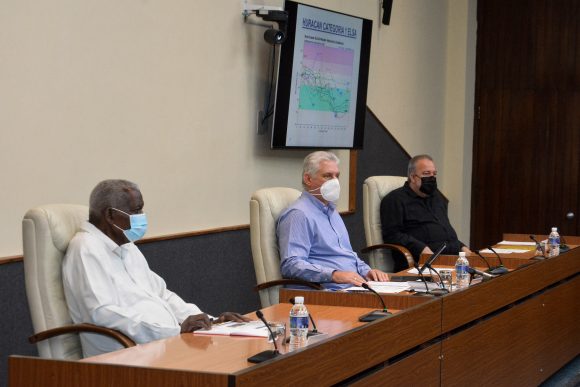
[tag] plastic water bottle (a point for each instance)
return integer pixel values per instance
(298, 324)
(554, 242)
(461, 274)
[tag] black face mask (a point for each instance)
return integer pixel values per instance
(428, 185)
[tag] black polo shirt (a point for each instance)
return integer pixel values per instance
(414, 222)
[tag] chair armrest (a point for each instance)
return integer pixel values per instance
(399, 248)
(76, 328)
(286, 281)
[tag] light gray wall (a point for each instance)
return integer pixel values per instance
(166, 94)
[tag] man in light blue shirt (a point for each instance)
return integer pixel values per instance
(312, 238)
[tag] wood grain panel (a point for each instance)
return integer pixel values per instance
(224, 354)
(422, 368)
(14, 258)
(349, 354)
(35, 372)
(352, 184)
(484, 298)
(527, 119)
(521, 346)
(368, 300)
(511, 261)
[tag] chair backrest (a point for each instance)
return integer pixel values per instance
(375, 188)
(46, 233)
(266, 205)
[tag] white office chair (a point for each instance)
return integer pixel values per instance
(46, 233)
(266, 205)
(382, 255)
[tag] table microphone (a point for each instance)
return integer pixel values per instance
(421, 276)
(501, 269)
(314, 331)
(492, 270)
(484, 260)
(265, 355)
(486, 276)
(427, 264)
(432, 258)
(437, 292)
(375, 314)
(539, 247)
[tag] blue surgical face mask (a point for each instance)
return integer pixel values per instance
(138, 227)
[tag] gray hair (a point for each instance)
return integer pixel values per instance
(413, 164)
(109, 193)
(313, 160)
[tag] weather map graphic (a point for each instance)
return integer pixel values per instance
(326, 79)
(320, 78)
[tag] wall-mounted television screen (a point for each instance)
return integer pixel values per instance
(322, 79)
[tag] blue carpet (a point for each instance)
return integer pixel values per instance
(567, 376)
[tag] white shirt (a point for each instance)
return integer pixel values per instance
(112, 286)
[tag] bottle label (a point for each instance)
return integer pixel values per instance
(299, 322)
(554, 245)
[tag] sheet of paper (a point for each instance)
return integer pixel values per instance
(513, 243)
(382, 287)
(419, 286)
(426, 271)
(502, 251)
(232, 328)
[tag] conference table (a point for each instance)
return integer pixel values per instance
(511, 261)
(344, 350)
(517, 328)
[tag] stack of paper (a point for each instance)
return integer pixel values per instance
(419, 286)
(232, 328)
(382, 287)
(427, 270)
(509, 247)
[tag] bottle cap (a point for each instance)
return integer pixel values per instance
(462, 254)
(299, 300)
(554, 229)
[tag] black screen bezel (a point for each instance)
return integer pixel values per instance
(284, 82)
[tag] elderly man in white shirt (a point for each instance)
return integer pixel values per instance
(108, 282)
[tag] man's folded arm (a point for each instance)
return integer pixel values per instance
(132, 324)
(361, 267)
(181, 309)
(392, 225)
(94, 287)
(300, 268)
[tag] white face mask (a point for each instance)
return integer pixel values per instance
(330, 190)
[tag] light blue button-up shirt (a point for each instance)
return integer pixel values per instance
(314, 242)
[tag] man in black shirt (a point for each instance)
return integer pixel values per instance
(415, 215)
